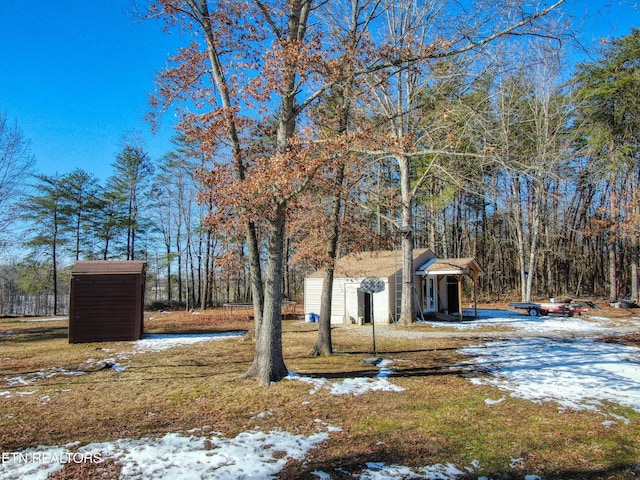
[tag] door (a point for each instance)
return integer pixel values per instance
(453, 300)
(430, 294)
(364, 307)
(368, 314)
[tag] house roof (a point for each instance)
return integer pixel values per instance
(451, 266)
(383, 263)
(108, 267)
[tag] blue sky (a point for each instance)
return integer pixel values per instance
(76, 74)
(76, 77)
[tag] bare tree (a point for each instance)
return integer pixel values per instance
(349, 23)
(292, 73)
(419, 33)
(265, 183)
(16, 164)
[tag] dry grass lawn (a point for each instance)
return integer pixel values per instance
(441, 416)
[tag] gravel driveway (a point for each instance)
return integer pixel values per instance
(496, 324)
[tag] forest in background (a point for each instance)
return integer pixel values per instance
(533, 172)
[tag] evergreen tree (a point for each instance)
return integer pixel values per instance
(606, 94)
(45, 210)
(80, 194)
(129, 186)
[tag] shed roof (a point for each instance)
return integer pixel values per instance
(108, 267)
(451, 266)
(382, 263)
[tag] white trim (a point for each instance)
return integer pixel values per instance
(442, 272)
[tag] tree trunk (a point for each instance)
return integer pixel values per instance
(520, 239)
(54, 259)
(255, 270)
(268, 365)
(635, 268)
(406, 230)
(323, 344)
(169, 296)
(534, 226)
(431, 222)
(255, 274)
(613, 257)
(635, 244)
(105, 252)
(204, 296)
(180, 257)
(268, 357)
(613, 270)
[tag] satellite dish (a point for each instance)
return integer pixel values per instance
(372, 285)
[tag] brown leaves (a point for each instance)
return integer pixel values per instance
(274, 179)
(297, 57)
(181, 81)
(243, 104)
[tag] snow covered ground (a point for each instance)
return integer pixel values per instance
(556, 359)
(577, 374)
(196, 454)
(521, 324)
(354, 386)
(544, 359)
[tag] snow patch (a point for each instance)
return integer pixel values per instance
(159, 342)
(250, 455)
(353, 386)
(548, 325)
(577, 374)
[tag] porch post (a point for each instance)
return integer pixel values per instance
(475, 296)
(460, 277)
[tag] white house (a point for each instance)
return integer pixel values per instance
(434, 290)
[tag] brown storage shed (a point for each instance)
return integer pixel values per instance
(106, 301)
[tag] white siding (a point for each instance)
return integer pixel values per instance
(394, 284)
(338, 300)
(352, 301)
(355, 302)
(312, 295)
(347, 300)
(383, 304)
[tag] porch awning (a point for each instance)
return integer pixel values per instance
(451, 266)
